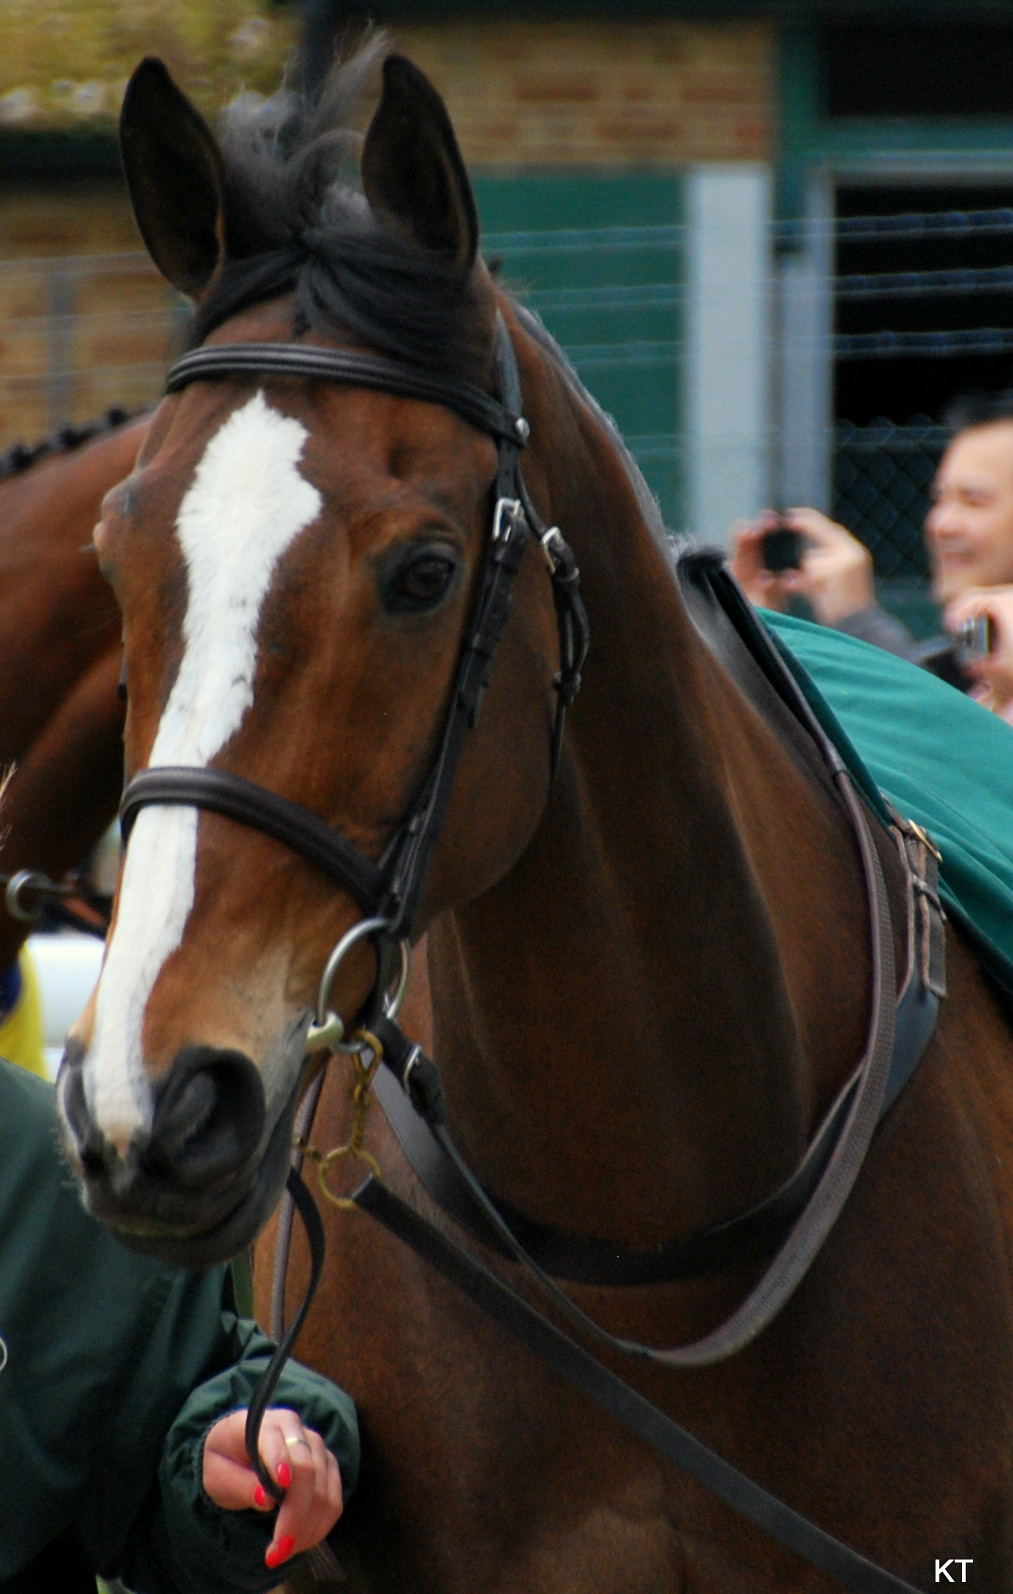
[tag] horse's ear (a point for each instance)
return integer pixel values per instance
(175, 176)
(412, 171)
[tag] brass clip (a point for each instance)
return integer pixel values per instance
(354, 1146)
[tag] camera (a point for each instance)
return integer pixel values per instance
(782, 549)
(976, 638)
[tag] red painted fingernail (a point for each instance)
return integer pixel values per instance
(284, 1478)
(281, 1552)
(260, 1495)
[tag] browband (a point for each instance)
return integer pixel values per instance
(356, 368)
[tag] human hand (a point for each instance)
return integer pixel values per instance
(763, 587)
(835, 576)
(299, 1461)
(996, 670)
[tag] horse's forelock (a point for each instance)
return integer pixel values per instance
(296, 224)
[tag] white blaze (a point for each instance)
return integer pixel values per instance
(246, 504)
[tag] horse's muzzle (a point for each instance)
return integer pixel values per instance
(199, 1183)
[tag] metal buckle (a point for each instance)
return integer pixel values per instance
(925, 839)
(21, 887)
(327, 1032)
(503, 516)
(552, 540)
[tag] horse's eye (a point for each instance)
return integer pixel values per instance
(419, 584)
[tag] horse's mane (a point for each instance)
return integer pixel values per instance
(22, 456)
(646, 501)
(295, 223)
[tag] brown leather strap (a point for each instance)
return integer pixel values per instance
(358, 369)
(222, 792)
(794, 1258)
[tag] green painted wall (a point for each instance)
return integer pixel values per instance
(600, 258)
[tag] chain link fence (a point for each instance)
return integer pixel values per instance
(882, 484)
(79, 334)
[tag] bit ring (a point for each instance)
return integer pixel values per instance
(327, 1032)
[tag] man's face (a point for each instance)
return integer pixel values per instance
(969, 528)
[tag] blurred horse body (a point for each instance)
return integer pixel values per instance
(61, 715)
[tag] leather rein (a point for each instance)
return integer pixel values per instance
(388, 891)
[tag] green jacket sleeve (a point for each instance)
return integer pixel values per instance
(212, 1551)
(113, 1365)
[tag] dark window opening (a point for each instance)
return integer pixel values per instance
(923, 312)
(943, 69)
(950, 272)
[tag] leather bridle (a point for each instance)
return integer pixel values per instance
(389, 890)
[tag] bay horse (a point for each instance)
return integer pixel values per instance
(650, 966)
(61, 714)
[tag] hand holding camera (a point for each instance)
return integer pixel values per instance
(982, 622)
(803, 552)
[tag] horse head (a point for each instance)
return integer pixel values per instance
(297, 563)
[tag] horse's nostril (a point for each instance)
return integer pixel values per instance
(87, 1139)
(93, 1163)
(189, 1117)
(209, 1116)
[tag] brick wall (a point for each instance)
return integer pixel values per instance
(601, 94)
(526, 93)
(75, 338)
(85, 320)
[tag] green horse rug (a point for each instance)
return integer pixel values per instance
(936, 755)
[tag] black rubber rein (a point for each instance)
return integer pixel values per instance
(313, 1224)
(853, 1571)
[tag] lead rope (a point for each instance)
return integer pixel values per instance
(420, 1078)
(286, 1210)
(321, 1559)
(852, 1570)
(307, 1209)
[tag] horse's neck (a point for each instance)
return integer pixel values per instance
(637, 1023)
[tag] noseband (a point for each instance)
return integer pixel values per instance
(388, 891)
